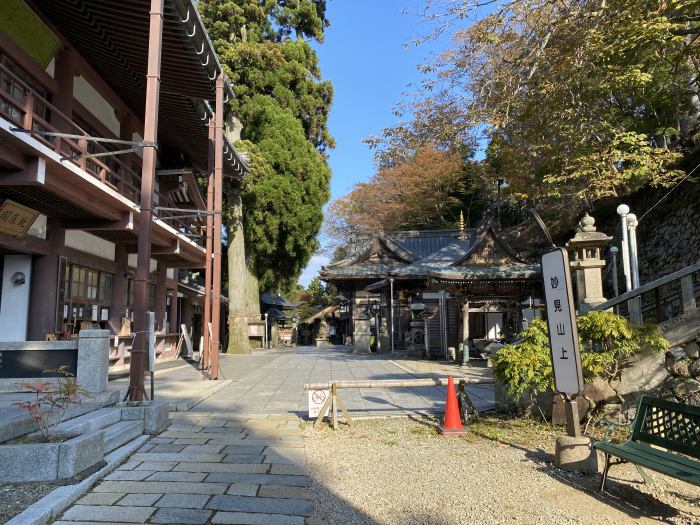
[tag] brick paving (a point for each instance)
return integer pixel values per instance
(207, 467)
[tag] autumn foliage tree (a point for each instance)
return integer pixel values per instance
(577, 101)
(424, 189)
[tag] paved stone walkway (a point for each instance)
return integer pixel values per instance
(273, 381)
(217, 467)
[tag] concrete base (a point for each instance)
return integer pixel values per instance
(153, 413)
(575, 454)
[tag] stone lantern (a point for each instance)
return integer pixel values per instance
(587, 264)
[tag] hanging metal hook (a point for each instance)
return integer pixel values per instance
(194, 30)
(188, 17)
(207, 61)
(201, 50)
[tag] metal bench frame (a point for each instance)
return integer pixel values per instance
(665, 437)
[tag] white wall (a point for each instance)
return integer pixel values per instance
(494, 324)
(88, 243)
(133, 260)
(96, 104)
(14, 303)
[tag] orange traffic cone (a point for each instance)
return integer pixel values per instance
(452, 424)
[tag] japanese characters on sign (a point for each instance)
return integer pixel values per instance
(16, 219)
(563, 338)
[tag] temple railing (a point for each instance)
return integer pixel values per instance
(30, 110)
(661, 300)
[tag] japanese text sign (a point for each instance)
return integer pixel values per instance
(561, 320)
(16, 219)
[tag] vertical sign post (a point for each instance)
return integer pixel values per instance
(563, 337)
(152, 348)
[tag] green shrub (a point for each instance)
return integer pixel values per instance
(607, 343)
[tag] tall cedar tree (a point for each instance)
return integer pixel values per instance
(283, 106)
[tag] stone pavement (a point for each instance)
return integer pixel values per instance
(218, 467)
(272, 382)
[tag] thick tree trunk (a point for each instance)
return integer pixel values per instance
(238, 322)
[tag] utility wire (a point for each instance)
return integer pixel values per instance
(669, 192)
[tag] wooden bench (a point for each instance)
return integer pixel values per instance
(665, 437)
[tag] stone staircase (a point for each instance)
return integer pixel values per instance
(116, 431)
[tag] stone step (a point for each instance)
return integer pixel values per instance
(95, 420)
(120, 433)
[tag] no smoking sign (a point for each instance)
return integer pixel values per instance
(316, 400)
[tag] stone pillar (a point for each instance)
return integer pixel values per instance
(43, 299)
(93, 360)
(174, 325)
(587, 263)
(161, 290)
(119, 285)
(465, 324)
(384, 342)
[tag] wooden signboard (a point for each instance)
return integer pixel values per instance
(561, 320)
(15, 219)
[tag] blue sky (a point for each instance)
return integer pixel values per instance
(364, 57)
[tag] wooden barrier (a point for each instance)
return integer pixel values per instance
(334, 399)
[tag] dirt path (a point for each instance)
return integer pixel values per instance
(399, 471)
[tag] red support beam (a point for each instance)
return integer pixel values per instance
(148, 174)
(218, 204)
(208, 246)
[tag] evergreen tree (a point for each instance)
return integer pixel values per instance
(283, 107)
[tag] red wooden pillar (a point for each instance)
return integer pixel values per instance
(205, 353)
(218, 204)
(140, 348)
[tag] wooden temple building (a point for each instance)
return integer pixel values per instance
(110, 115)
(457, 286)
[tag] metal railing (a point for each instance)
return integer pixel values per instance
(659, 300)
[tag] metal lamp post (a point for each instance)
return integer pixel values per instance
(622, 211)
(391, 311)
(613, 253)
(634, 262)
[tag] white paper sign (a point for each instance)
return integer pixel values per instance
(151, 341)
(316, 400)
(561, 320)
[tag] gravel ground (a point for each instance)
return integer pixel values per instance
(399, 471)
(15, 497)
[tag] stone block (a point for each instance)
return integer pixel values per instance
(139, 500)
(156, 466)
(575, 454)
(101, 498)
(242, 458)
(177, 476)
(93, 360)
(183, 501)
(80, 453)
(262, 505)
(259, 479)
(243, 489)
(154, 415)
(181, 516)
(167, 447)
(284, 491)
(105, 513)
(35, 462)
(692, 350)
(178, 457)
(242, 449)
(129, 475)
(161, 487)
(247, 518)
(200, 449)
(245, 468)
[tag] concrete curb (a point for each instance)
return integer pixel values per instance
(186, 405)
(58, 500)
